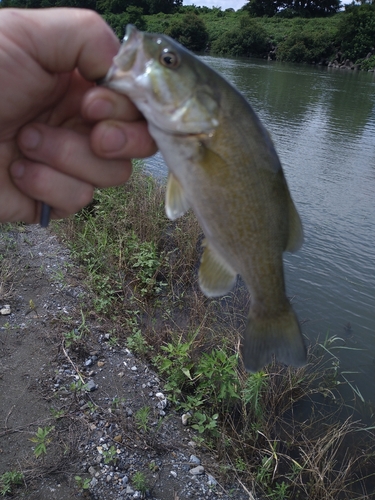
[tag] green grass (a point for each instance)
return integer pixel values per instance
(286, 430)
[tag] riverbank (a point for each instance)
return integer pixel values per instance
(344, 40)
(81, 415)
(135, 326)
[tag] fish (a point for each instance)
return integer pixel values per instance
(223, 165)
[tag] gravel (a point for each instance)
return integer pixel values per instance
(99, 387)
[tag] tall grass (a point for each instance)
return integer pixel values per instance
(284, 433)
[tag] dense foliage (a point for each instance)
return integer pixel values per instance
(310, 31)
(356, 31)
(190, 30)
(102, 6)
(250, 38)
(290, 8)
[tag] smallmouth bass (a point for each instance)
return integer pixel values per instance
(223, 165)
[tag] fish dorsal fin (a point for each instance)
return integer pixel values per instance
(176, 203)
(295, 238)
(215, 276)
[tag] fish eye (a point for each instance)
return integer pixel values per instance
(169, 59)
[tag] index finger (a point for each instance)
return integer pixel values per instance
(100, 103)
(76, 38)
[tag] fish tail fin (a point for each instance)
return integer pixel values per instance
(279, 336)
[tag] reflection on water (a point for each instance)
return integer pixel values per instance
(323, 126)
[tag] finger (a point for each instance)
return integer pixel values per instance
(70, 153)
(114, 139)
(100, 103)
(76, 38)
(16, 206)
(64, 193)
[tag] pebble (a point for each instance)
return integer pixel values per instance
(197, 471)
(211, 480)
(173, 473)
(5, 310)
(90, 386)
(194, 460)
(185, 418)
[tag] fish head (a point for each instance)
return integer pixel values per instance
(167, 83)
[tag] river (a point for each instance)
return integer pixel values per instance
(322, 122)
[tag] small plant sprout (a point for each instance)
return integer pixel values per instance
(41, 440)
(141, 418)
(110, 455)
(82, 483)
(139, 482)
(9, 480)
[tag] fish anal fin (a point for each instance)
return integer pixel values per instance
(295, 237)
(267, 337)
(216, 278)
(176, 203)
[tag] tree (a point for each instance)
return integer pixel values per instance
(190, 31)
(356, 31)
(249, 39)
(270, 8)
(260, 8)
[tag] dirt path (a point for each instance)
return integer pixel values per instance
(119, 436)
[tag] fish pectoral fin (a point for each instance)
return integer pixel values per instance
(176, 203)
(278, 336)
(215, 276)
(295, 238)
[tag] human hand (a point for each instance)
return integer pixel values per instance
(59, 134)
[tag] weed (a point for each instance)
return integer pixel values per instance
(205, 423)
(110, 455)
(57, 413)
(137, 343)
(140, 482)
(72, 338)
(116, 403)
(141, 418)
(78, 386)
(41, 440)
(8, 480)
(82, 483)
(252, 393)
(285, 429)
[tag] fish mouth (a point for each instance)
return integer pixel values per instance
(125, 59)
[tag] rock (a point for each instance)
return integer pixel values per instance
(173, 473)
(118, 438)
(185, 417)
(194, 460)
(100, 364)
(211, 480)
(90, 386)
(93, 482)
(5, 310)
(197, 471)
(92, 470)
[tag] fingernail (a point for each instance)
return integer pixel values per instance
(30, 138)
(17, 170)
(113, 139)
(100, 109)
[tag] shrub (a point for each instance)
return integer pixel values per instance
(356, 31)
(190, 31)
(249, 39)
(305, 46)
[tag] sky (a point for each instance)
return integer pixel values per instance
(226, 4)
